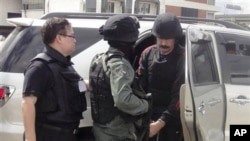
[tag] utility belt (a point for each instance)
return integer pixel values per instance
(58, 129)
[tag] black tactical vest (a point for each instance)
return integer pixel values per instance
(63, 102)
(161, 76)
(102, 103)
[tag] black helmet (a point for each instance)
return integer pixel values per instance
(121, 27)
(167, 26)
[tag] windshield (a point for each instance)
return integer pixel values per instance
(236, 58)
(25, 43)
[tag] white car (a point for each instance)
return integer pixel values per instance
(2, 38)
(216, 93)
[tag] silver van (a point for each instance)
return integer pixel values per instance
(216, 93)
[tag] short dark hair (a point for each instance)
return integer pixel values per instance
(52, 27)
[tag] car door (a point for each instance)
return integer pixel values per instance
(202, 96)
(234, 50)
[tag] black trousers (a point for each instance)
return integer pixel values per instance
(46, 134)
(169, 133)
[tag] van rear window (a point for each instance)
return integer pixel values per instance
(24, 43)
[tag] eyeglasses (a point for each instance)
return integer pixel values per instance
(71, 36)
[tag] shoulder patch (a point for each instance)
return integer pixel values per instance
(124, 71)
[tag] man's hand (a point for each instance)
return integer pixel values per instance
(155, 127)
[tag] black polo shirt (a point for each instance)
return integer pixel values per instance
(38, 77)
(37, 80)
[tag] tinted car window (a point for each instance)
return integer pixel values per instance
(24, 43)
(236, 58)
(204, 70)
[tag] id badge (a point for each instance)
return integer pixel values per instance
(82, 86)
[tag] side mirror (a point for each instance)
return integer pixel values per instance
(197, 35)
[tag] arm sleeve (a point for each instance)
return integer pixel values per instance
(36, 79)
(142, 70)
(121, 78)
(173, 109)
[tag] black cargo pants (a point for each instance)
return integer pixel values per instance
(47, 133)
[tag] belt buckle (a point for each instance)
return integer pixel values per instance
(75, 131)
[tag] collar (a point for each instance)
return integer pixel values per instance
(112, 49)
(57, 56)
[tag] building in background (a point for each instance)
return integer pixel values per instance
(37, 8)
(8, 9)
(189, 8)
(234, 11)
(33, 8)
(241, 19)
(228, 7)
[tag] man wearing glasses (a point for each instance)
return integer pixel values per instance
(53, 92)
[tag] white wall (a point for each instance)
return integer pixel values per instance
(34, 13)
(63, 6)
(118, 8)
(153, 9)
(6, 6)
(98, 6)
(162, 6)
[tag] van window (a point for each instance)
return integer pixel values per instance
(204, 68)
(24, 43)
(236, 58)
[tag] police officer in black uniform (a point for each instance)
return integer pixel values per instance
(53, 92)
(161, 69)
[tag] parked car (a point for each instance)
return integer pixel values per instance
(2, 38)
(216, 93)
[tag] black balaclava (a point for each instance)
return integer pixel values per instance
(125, 47)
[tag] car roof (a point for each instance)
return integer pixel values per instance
(95, 20)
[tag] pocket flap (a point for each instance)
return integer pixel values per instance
(71, 76)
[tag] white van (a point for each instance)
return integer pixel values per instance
(216, 93)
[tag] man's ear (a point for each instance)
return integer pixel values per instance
(58, 38)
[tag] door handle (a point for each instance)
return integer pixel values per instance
(213, 102)
(240, 100)
(202, 108)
